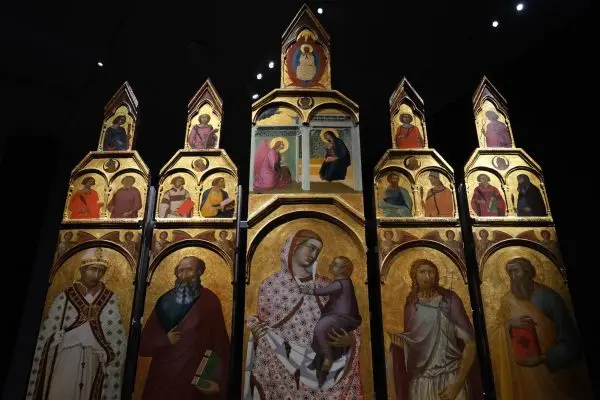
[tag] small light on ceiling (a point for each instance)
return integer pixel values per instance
(271, 64)
(259, 76)
(100, 64)
(255, 96)
(495, 24)
(320, 10)
(520, 7)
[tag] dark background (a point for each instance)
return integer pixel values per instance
(54, 94)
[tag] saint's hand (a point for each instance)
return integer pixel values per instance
(533, 361)
(343, 339)
(259, 330)
(451, 391)
(213, 388)
(174, 335)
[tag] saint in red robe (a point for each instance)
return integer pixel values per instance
(488, 202)
(84, 205)
(408, 138)
(173, 367)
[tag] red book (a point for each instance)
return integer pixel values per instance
(525, 342)
(185, 208)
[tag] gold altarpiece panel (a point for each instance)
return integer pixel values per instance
(207, 323)
(185, 341)
(108, 187)
(532, 334)
(306, 232)
(423, 274)
(290, 247)
(82, 341)
(197, 185)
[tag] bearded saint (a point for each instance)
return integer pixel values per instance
(557, 370)
(82, 343)
(187, 321)
(435, 356)
(279, 349)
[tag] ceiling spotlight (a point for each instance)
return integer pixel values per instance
(255, 96)
(320, 10)
(271, 64)
(259, 76)
(520, 7)
(495, 24)
(100, 64)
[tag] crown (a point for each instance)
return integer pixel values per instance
(94, 256)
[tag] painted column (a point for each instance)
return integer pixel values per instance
(305, 130)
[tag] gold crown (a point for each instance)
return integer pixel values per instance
(94, 256)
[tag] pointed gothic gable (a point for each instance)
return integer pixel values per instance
(491, 117)
(205, 113)
(120, 121)
(407, 117)
(305, 58)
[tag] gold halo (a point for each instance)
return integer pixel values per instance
(310, 48)
(286, 143)
(405, 109)
(322, 134)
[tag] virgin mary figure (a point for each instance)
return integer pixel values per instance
(268, 171)
(306, 68)
(337, 159)
(279, 348)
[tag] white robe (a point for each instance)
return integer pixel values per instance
(442, 360)
(79, 346)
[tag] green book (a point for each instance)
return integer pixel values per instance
(206, 370)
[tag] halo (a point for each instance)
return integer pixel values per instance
(322, 134)
(286, 143)
(310, 48)
(405, 109)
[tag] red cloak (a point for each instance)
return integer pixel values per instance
(173, 366)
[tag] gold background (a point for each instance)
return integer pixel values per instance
(217, 277)
(398, 286)
(513, 184)
(140, 184)
(382, 184)
(285, 116)
(481, 122)
(336, 241)
(471, 182)
(423, 181)
(100, 187)
(215, 121)
(119, 278)
(495, 281)
(230, 188)
(416, 122)
(124, 111)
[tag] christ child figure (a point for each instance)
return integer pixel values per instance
(340, 313)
